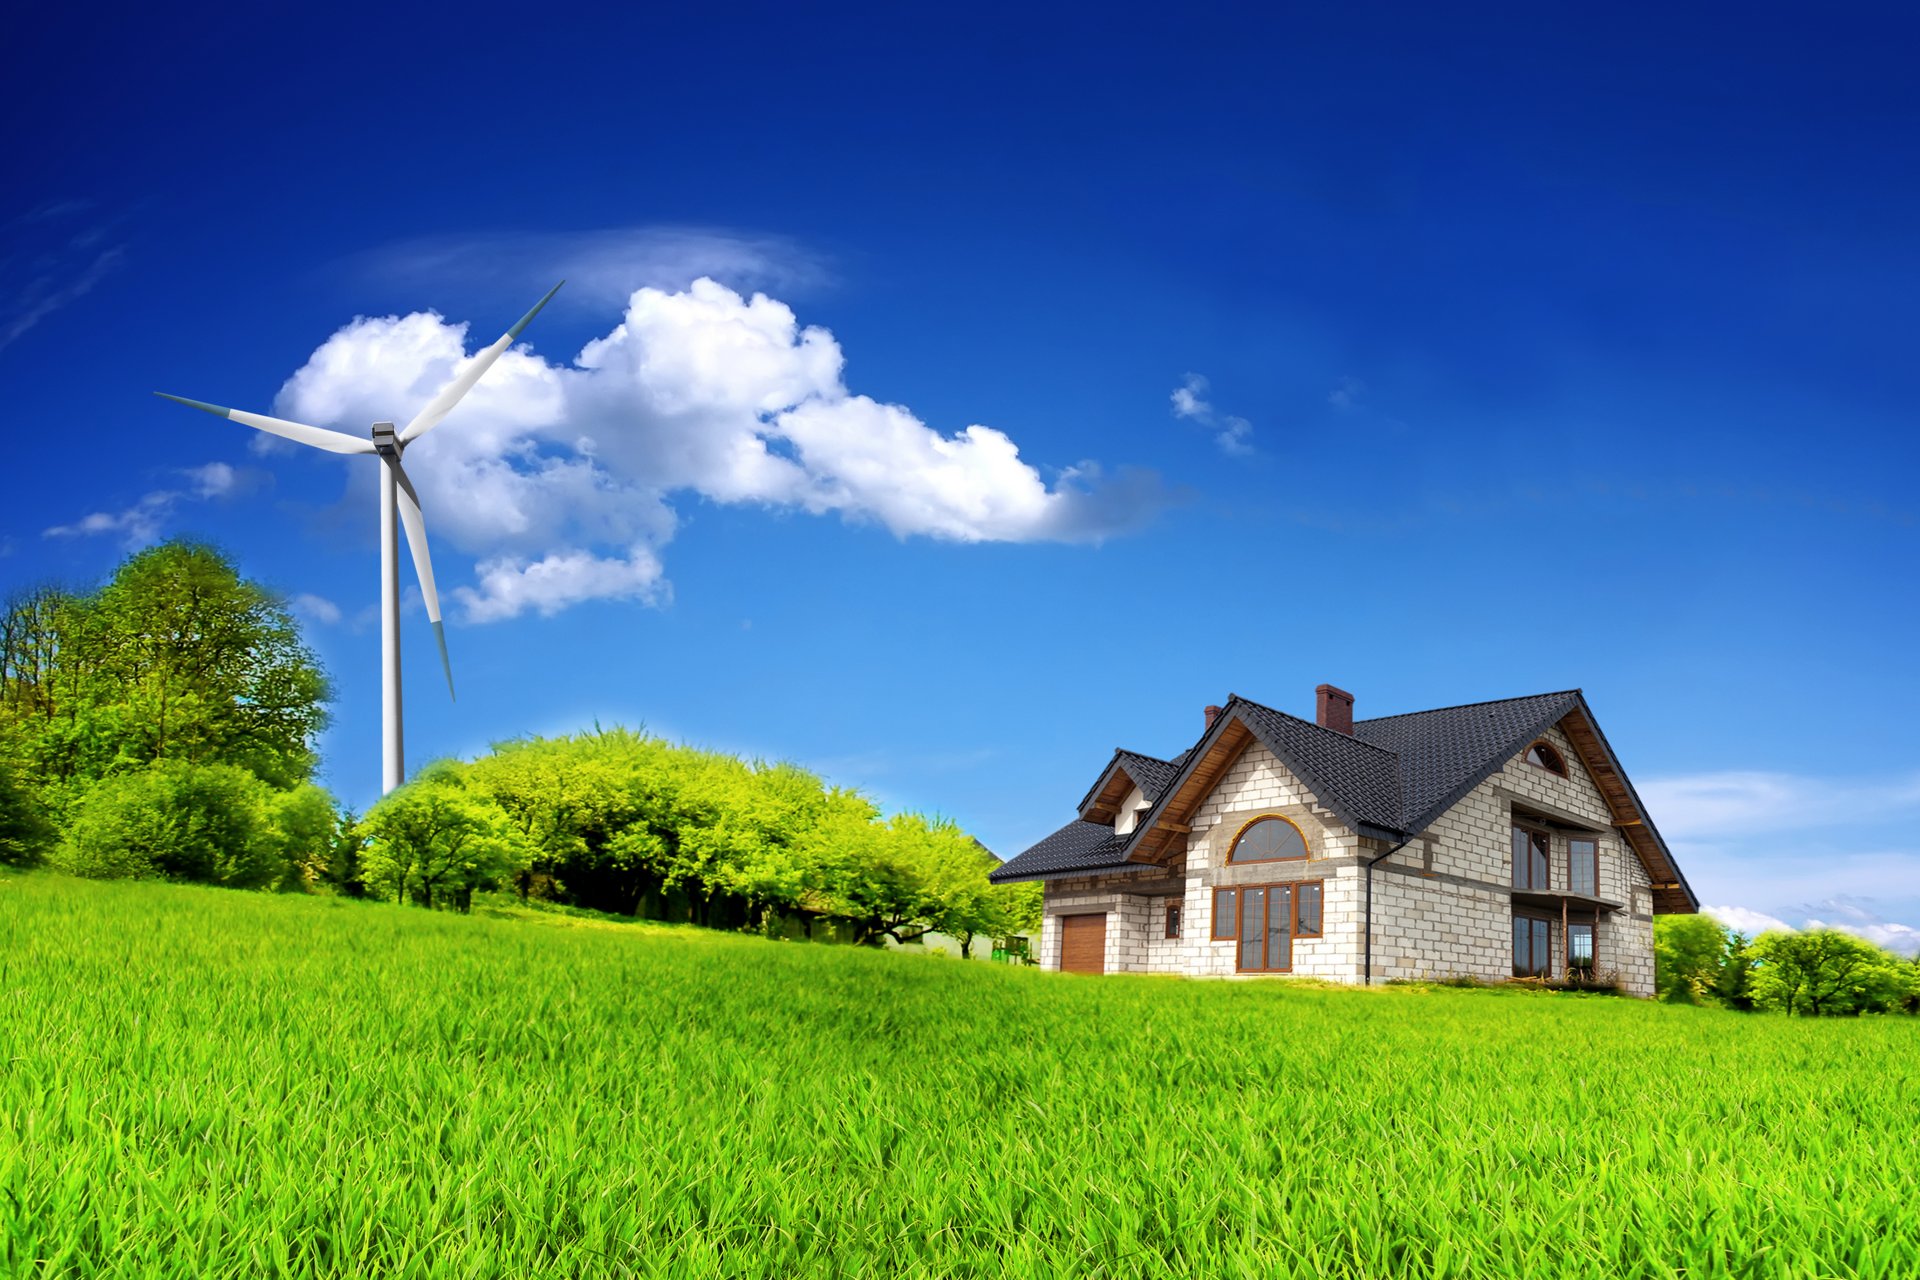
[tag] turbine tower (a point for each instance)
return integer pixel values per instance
(396, 495)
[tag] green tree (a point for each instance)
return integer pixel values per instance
(436, 840)
(177, 657)
(25, 833)
(179, 821)
(1823, 972)
(304, 825)
(1688, 952)
(1735, 986)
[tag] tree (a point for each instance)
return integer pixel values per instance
(25, 833)
(179, 821)
(1688, 953)
(177, 657)
(304, 825)
(1735, 985)
(436, 836)
(1824, 972)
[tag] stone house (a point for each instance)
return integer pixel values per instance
(1495, 840)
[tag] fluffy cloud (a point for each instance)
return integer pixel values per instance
(560, 479)
(1234, 435)
(1712, 805)
(141, 523)
(1752, 923)
(315, 609)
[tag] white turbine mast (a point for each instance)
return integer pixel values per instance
(396, 495)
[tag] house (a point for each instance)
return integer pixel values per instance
(1493, 840)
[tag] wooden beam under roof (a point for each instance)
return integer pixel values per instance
(1176, 815)
(1669, 897)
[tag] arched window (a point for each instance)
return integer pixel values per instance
(1543, 754)
(1268, 839)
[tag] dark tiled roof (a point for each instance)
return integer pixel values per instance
(1446, 753)
(1356, 779)
(1078, 846)
(1150, 773)
(1394, 775)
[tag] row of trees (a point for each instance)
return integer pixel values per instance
(163, 725)
(620, 821)
(1816, 973)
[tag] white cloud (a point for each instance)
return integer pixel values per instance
(1233, 434)
(560, 479)
(1190, 399)
(315, 609)
(1798, 848)
(142, 522)
(1716, 805)
(1346, 397)
(1743, 920)
(52, 263)
(1855, 916)
(510, 587)
(602, 267)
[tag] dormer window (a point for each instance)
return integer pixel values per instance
(1268, 839)
(1544, 755)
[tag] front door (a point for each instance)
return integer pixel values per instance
(1083, 944)
(1266, 929)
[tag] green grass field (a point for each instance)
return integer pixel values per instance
(203, 1084)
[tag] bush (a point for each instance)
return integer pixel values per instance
(178, 821)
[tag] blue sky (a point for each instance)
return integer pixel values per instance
(1520, 351)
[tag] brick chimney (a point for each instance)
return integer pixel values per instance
(1213, 713)
(1334, 709)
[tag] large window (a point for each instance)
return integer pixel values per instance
(1530, 853)
(1268, 839)
(1583, 865)
(1532, 947)
(1263, 920)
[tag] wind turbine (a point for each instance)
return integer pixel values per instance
(396, 493)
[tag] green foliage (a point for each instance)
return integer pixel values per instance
(436, 836)
(25, 833)
(178, 821)
(619, 821)
(1824, 971)
(215, 1086)
(176, 657)
(1688, 952)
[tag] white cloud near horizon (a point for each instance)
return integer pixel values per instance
(142, 522)
(1782, 847)
(561, 479)
(1233, 434)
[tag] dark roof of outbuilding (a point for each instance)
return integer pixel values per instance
(1391, 778)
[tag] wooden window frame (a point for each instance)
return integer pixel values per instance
(1532, 918)
(1174, 921)
(1293, 920)
(1559, 766)
(1535, 830)
(1306, 849)
(1232, 913)
(1593, 863)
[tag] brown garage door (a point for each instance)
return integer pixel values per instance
(1083, 944)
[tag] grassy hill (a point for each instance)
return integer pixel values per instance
(200, 1083)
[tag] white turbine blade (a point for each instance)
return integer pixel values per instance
(318, 437)
(416, 526)
(442, 404)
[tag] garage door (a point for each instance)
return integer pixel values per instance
(1083, 944)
